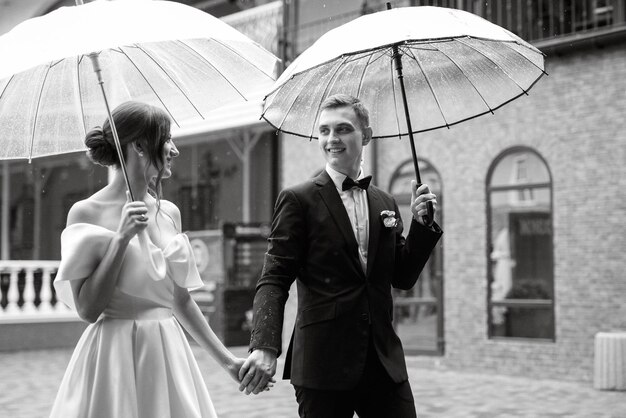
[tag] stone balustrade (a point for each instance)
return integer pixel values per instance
(27, 294)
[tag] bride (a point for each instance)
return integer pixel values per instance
(127, 269)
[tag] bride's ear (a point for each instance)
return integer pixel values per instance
(137, 148)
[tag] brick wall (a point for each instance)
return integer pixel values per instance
(575, 118)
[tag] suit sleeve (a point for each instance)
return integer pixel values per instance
(413, 252)
(283, 260)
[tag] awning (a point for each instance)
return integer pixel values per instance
(246, 115)
(260, 23)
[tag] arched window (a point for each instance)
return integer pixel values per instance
(418, 312)
(520, 257)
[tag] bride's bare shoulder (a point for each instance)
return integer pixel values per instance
(91, 210)
(172, 212)
(170, 207)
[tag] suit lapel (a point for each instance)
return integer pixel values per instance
(337, 210)
(375, 204)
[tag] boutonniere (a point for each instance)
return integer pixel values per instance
(389, 218)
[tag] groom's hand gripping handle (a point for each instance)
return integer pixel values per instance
(423, 203)
(430, 216)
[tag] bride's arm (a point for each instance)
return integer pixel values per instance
(92, 294)
(188, 313)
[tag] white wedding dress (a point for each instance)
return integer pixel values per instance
(134, 361)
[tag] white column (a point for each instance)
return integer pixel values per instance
(245, 187)
(195, 169)
(249, 142)
(237, 145)
(29, 292)
(4, 212)
(37, 215)
(13, 295)
(45, 295)
(243, 149)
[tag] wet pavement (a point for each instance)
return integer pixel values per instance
(30, 380)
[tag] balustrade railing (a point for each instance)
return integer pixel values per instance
(536, 21)
(27, 294)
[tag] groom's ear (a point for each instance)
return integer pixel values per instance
(367, 135)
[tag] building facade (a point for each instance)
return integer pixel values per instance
(531, 198)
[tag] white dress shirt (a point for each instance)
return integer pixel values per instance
(355, 202)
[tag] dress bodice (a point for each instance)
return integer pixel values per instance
(84, 245)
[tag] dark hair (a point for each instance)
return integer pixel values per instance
(147, 125)
(341, 100)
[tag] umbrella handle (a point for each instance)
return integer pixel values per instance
(157, 267)
(429, 218)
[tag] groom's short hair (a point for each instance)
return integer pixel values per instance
(342, 100)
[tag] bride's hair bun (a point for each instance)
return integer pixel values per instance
(99, 150)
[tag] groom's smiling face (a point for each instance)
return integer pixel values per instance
(341, 139)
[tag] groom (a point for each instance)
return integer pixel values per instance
(340, 237)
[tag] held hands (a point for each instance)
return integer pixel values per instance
(419, 198)
(256, 374)
(134, 219)
(233, 367)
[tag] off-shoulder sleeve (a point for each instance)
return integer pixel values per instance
(82, 247)
(181, 263)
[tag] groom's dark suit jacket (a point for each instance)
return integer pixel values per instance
(339, 305)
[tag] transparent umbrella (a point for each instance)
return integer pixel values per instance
(415, 68)
(158, 52)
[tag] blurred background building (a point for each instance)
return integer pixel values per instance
(531, 199)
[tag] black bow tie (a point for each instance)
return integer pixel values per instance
(348, 183)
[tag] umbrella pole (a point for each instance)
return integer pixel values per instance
(116, 139)
(397, 57)
(156, 266)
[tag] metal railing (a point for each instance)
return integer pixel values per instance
(535, 21)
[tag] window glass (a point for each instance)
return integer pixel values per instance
(418, 311)
(207, 182)
(521, 274)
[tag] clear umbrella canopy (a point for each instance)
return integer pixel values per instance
(456, 66)
(159, 52)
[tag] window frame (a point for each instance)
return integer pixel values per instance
(405, 170)
(534, 304)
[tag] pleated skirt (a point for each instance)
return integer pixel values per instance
(133, 368)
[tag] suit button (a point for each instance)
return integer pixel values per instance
(365, 317)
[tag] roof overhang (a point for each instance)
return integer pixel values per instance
(224, 122)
